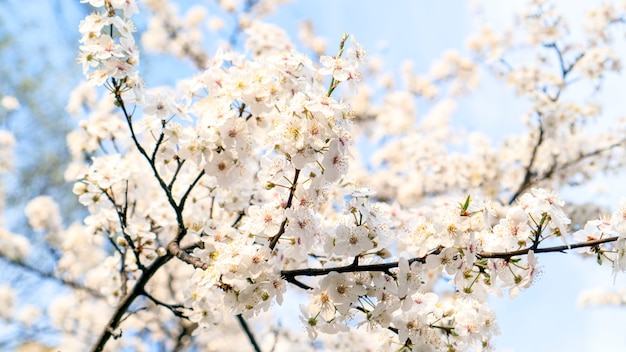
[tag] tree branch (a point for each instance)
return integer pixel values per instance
(292, 191)
(51, 276)
(183, 199)
(125, 303)
(171, 307)
(529, 173)
(580, 158)
(246, 329)
(561, 249)
(117, 92)
(290, 275)
(564, 70)
(555, 167)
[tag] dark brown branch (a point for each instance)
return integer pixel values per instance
(294, 281)
(246, 329)
(174, 308)
(561, 249)
(528, 177)
(529, 172)
(179, 166)
(158, 144)
(147, 274)
(238, 219)
(125, 303)
(290, 275)
(122, 217)
(183, 199)
(122, 272)
(117, 92)
(292, 191)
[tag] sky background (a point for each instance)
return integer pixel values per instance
(542, 318)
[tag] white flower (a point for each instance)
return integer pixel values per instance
(322, 305)
(362, 192)
(301, 223)
(224, 167)
(409, 277)
(43, 214)
(335, 162)
(618, 218)
(159, 105)
(7, 142)
(341, 69)
(7, 301)
(341, 290)
(528, 275)
(352, 241)
(10, 103)
(28, 315)
(310, 322)
(14, 247)
(264, 219)
(619, 261)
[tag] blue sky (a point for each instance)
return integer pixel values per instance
(543, 318)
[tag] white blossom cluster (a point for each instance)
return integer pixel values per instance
(108, 47)
(600, 297)
(13, 246)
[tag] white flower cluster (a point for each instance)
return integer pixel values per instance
(10, 103)
(108, 48)
(43, 214)
(600, 297)
(12, 246)
(7, 142)
(607, 227)
(168, 33)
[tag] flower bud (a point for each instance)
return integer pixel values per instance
(121, 241)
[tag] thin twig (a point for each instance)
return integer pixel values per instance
(118, 98)
(53, 277)
(292, 191)
(290, 275)
(529, 172)
(246, 329)
(125, 303)
(560, 249)
(171, 307)
(186, 331)
(179, 166)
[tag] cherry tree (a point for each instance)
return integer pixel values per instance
(208, 202)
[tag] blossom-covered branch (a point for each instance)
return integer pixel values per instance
(290, 275)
